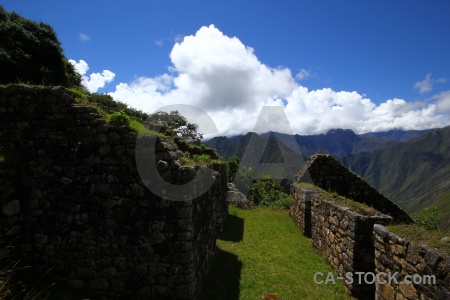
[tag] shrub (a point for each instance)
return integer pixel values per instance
(119, 118)
(31, 52)
(429, 219)
(232, 166)
(268, 192)
(244, 179)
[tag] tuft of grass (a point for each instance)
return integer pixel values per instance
(262, 250)
(192, 159)
(11, 287)
(139, 128)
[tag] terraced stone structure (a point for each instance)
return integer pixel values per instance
(72, 201)
(342, 235)
(329, 174)
(429, 270)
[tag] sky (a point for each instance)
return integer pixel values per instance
(362, 65)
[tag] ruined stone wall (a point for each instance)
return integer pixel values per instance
(395, 254)
(342, 236)
(329, 174)
(300, 208)
(73, 202)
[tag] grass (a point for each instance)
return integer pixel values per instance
(419, 236)
(190, 159)
(11, 284)
(262, 250)
(139, 128)
(358, 207)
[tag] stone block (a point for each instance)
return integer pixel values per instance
(11, 208)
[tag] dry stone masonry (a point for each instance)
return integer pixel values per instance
(356, 240)
(72, 201)
(329, 174)
(342, 236)
(394, 254)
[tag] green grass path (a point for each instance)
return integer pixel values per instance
(262, 250)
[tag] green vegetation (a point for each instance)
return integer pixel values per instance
(140, 128)
(262, 250)
(414, 174)
(175, 122)
(420, 236)
(361, 208)
(429, 219)
(232, 166)
(31, 53)
(192, 159)
(264, 191)
(267, 191)
(119, 118)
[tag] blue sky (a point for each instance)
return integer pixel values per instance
(363, 65)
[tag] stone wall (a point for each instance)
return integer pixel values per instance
(342, 236)
(394, 254)
(300, 208)
(329, 174)
(73, 201)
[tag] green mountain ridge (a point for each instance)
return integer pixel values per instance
(412, 168)
(337, 142)
(415, 174)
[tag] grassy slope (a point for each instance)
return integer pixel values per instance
(262, 250)
(414, 174)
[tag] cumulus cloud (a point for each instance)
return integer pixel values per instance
(302, 74)
(94, 81)
(84, 37)
(222, 76)
(426, 85)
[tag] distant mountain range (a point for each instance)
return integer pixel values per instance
(415, 174)
(337, 142)
(410, 167)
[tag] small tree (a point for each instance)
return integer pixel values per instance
(232, 166)
(176, 123)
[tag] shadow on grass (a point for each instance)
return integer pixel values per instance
(224, 275)
(222, 282)
(233, 230)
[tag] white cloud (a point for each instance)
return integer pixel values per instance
(159, 42)
(426, 85)
(443, 102)
(81, 67)
(302, 74)
(224, 77)
(84, 37)
(94, 81)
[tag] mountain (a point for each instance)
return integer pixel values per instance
(415, 174)
(412, 168)
(337, 142)
(397, 134)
